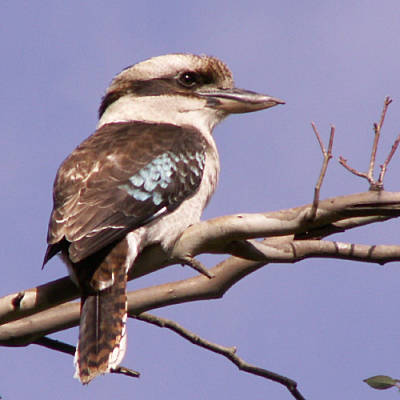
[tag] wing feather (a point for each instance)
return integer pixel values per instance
(118, 179)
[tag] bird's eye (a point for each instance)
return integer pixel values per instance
(188, 79)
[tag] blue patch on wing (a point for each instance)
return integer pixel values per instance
(151, 180)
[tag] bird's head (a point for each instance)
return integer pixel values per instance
(179, 89)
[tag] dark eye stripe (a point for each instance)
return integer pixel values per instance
(158, 86)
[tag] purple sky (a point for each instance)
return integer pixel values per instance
(326, 324)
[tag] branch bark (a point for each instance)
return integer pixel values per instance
(228, 352)
(290, 236)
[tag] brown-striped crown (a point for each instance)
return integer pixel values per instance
(169, 74)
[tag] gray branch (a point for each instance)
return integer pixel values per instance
(228, 352)
(289, 236)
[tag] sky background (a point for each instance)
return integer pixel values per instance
(326, 324)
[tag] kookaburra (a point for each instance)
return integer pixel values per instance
(141, 178)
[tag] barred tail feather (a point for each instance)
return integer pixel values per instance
(102, 333)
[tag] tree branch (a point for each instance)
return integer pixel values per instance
(228, 352)
(225, 235)
(388, 159)
(69, 349)
(289, 236)
(327, 154)
(284, 249)
(369, 176)
(377, 131)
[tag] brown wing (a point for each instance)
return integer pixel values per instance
(119, 179)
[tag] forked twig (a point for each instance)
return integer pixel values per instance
(343, 162)
(369, 176)
(327, 156)
(228, 352)
(389, 157)
(377, 130)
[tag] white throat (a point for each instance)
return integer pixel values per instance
(177, 110)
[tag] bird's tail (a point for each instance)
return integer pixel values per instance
(102, 333)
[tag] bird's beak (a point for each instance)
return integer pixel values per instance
(234, 101)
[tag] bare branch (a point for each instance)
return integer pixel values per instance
(69, 349)
(228, 234)
(125, 371)
(228, 352)
(21, 304)
(226, 274)
(196, 265)
(57, 345)
(327, 154)
(318, 136)
(343, 162)
(369, 176)
(388, 159)
(377, 130)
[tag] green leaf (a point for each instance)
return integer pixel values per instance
(381, 382)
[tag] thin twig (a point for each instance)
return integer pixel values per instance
(343, 162)
(321, 143)
(56, 345)
(69, 349)
(387, 161)
(327, 156)
(369, 176)
(196, 265)
(125, 371)
(377, 130)
(228, 352)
